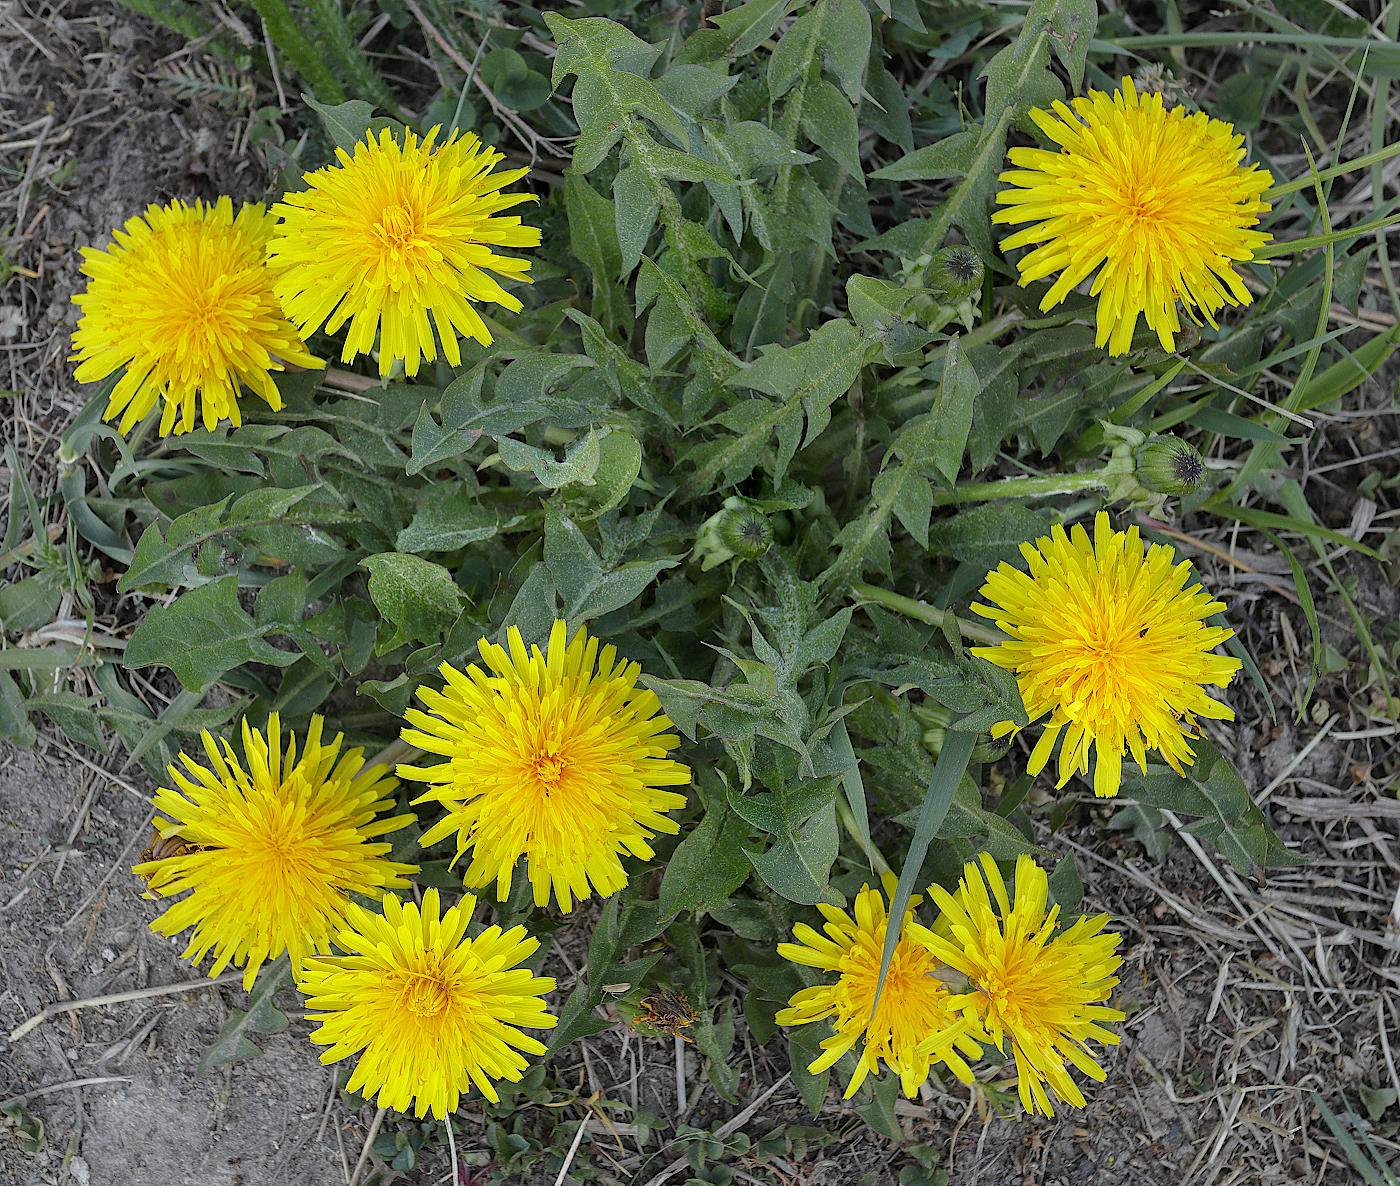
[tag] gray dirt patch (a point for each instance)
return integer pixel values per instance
(73, 925)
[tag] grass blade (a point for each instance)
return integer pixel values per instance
(854, 788)
(1305, 599)
(952, 761)
(1374, 1176)
(1219, 505)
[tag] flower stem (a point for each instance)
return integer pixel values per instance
(921, 611)
(1273, 250)
(1023, 487)
(392, 754)
(878, 864)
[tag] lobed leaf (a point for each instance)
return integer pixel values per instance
(203, 635)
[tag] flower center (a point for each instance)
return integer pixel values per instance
(399, 231)
(1109, 657)
(547, 766)
(204, 318)
(426, 996)
(280, 857)
(1108, 653)
(1017, 989)
(911, 990)
(1140, 205)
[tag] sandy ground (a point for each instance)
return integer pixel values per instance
(122, 1097)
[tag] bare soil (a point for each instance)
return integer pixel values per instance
(123, 1103)
(1243, 998)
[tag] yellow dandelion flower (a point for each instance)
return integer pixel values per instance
(913, 1026)
(550, 760)
(1112, 644)
(1026, 983)
(274, 845)
(433, 1011)
(1156, 200)
(394, 234)
(183, 301)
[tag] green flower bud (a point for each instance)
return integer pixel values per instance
(709, 548)
(955, 273)
(934, 735)
(935, 719)
(1168, 465)
(745, 532)
(990, 749)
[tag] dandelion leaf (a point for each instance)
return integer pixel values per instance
(234, 1043)
(202, 635)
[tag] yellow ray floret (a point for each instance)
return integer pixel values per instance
(1039, 990)
(555, 756)
(274, 845)
(914, 1025)
(182, 301)
(430, 1012)
(398, 232)
(1111, 643)
(1156, 201)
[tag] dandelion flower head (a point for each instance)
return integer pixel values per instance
(1041, 990)
(555, 756)
(1155, 200)
(396, 232)
(275, 844)
(1110, 643)
(430, 1011)
(913, 1026)
(182, 300)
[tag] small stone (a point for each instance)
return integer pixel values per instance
(12, 322)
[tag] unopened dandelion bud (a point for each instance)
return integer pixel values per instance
(1189, 338)
(955, 273)
(1168, 465)
(709, 548)
(990, 749)
(746, 532)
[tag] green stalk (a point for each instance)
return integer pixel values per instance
(1129, 407)
(392, 754)
(878, 864)
(1379, 120)
(1286, 246)
(1273, 193)
(921, 611)
(1379, 51)
(1025, 487)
